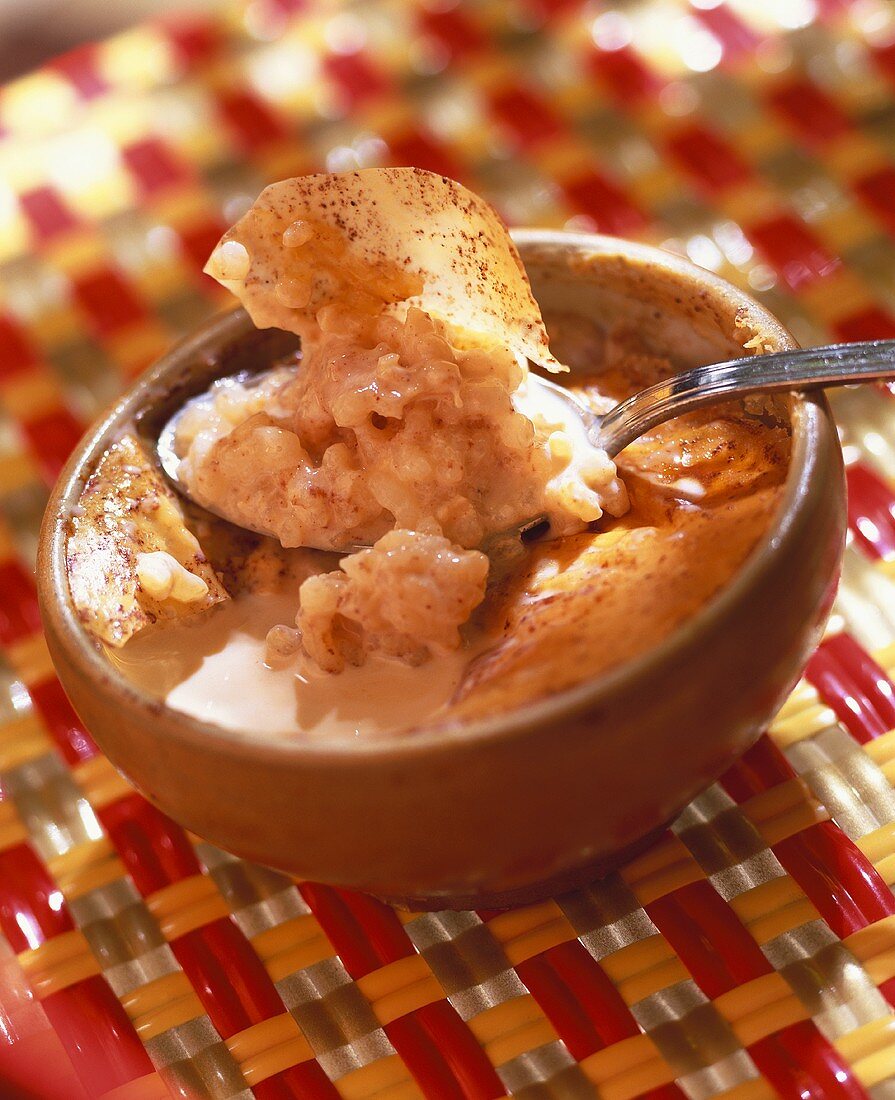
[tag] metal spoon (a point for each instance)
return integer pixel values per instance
(800, 369)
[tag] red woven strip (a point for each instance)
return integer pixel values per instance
(60, 721)
(884, 56)
(452, 29)
(422, 151)
(229, 978)
(198, 242)
(236, 992)
(195, 39)
(357, 77)
(601, 200)
(793, 250)
(80, 68)
(109, 301)
(762, 767)
(47, 214)
(837, 877)
(624, 75)
(734, 35)
(814, 115)
(525, 116)
(708, 937)
(97, 1035)
(877, 190)
(155, 851)
(435, 1044)
(871, 511)
(31, 905)
(873, 323)
(19, 611)
(52, 438)
(252, 123)
(16, 352)
(800, 1063)
(849, 680)
(712, 162)
(578, 998)
(154, 166)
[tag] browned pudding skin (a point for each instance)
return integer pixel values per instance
(619, 591)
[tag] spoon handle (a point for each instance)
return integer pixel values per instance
(803, 368)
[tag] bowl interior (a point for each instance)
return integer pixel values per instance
(684, 313)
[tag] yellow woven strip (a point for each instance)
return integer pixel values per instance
(387, 1077)
(806, 723)
(775, 923)
(783, 810)
(59, 963)
(774, 894)
(150, 1087)
(31, 659)
(21, 740)
(641, 965)
(885, 657)
(627, 1068)
(756, 1089)
(886, 869)
(12, 831)
(664, 868)
(100, 783)
(525, 933)
(400, 987)
(868, 1039)
(802, 696)
(760, 1007)
(269, 1047)
(882, 749)
(162, 1004)
(186, 905)
(874, 946)
(292, 946)
(512, 1028)
(86, 867)
(875, 1068)
(879, 844)
(31, 395)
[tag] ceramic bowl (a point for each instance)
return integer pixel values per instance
(537, 800)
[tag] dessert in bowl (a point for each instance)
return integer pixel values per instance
(452, 717)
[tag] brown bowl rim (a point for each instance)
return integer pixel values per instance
(811, 415)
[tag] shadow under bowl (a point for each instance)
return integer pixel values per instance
(537, 800)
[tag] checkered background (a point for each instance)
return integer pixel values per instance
(751, 951)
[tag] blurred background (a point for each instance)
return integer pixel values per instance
(31, 31)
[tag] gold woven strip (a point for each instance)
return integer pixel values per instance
(59, 963)
(269, 1047)
(186, 905)
(163, 1003)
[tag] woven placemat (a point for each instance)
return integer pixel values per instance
(751, 952)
